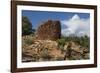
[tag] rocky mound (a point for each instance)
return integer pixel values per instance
(42, 50)
(48, 50)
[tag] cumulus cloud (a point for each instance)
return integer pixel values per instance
(76, 25)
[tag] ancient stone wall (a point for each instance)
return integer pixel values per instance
(49, 30)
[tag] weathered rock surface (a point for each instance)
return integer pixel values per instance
(76, 52)
(49, 30)
(48, 50)
(42, 50)
(34, 50)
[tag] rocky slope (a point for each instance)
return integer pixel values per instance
(48, 50)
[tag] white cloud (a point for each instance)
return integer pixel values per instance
(76, 25)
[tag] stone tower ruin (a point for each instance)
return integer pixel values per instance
(49, 30)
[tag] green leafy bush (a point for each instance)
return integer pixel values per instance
(61, 42)
(27, 40)
(84, 41)
(26, 26)
(45, 54)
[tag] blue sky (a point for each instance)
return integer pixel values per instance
(36, 17)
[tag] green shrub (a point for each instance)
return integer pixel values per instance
(84, 41)
(45, 54)
(26, 41)
(26, 26)
(61, 42)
